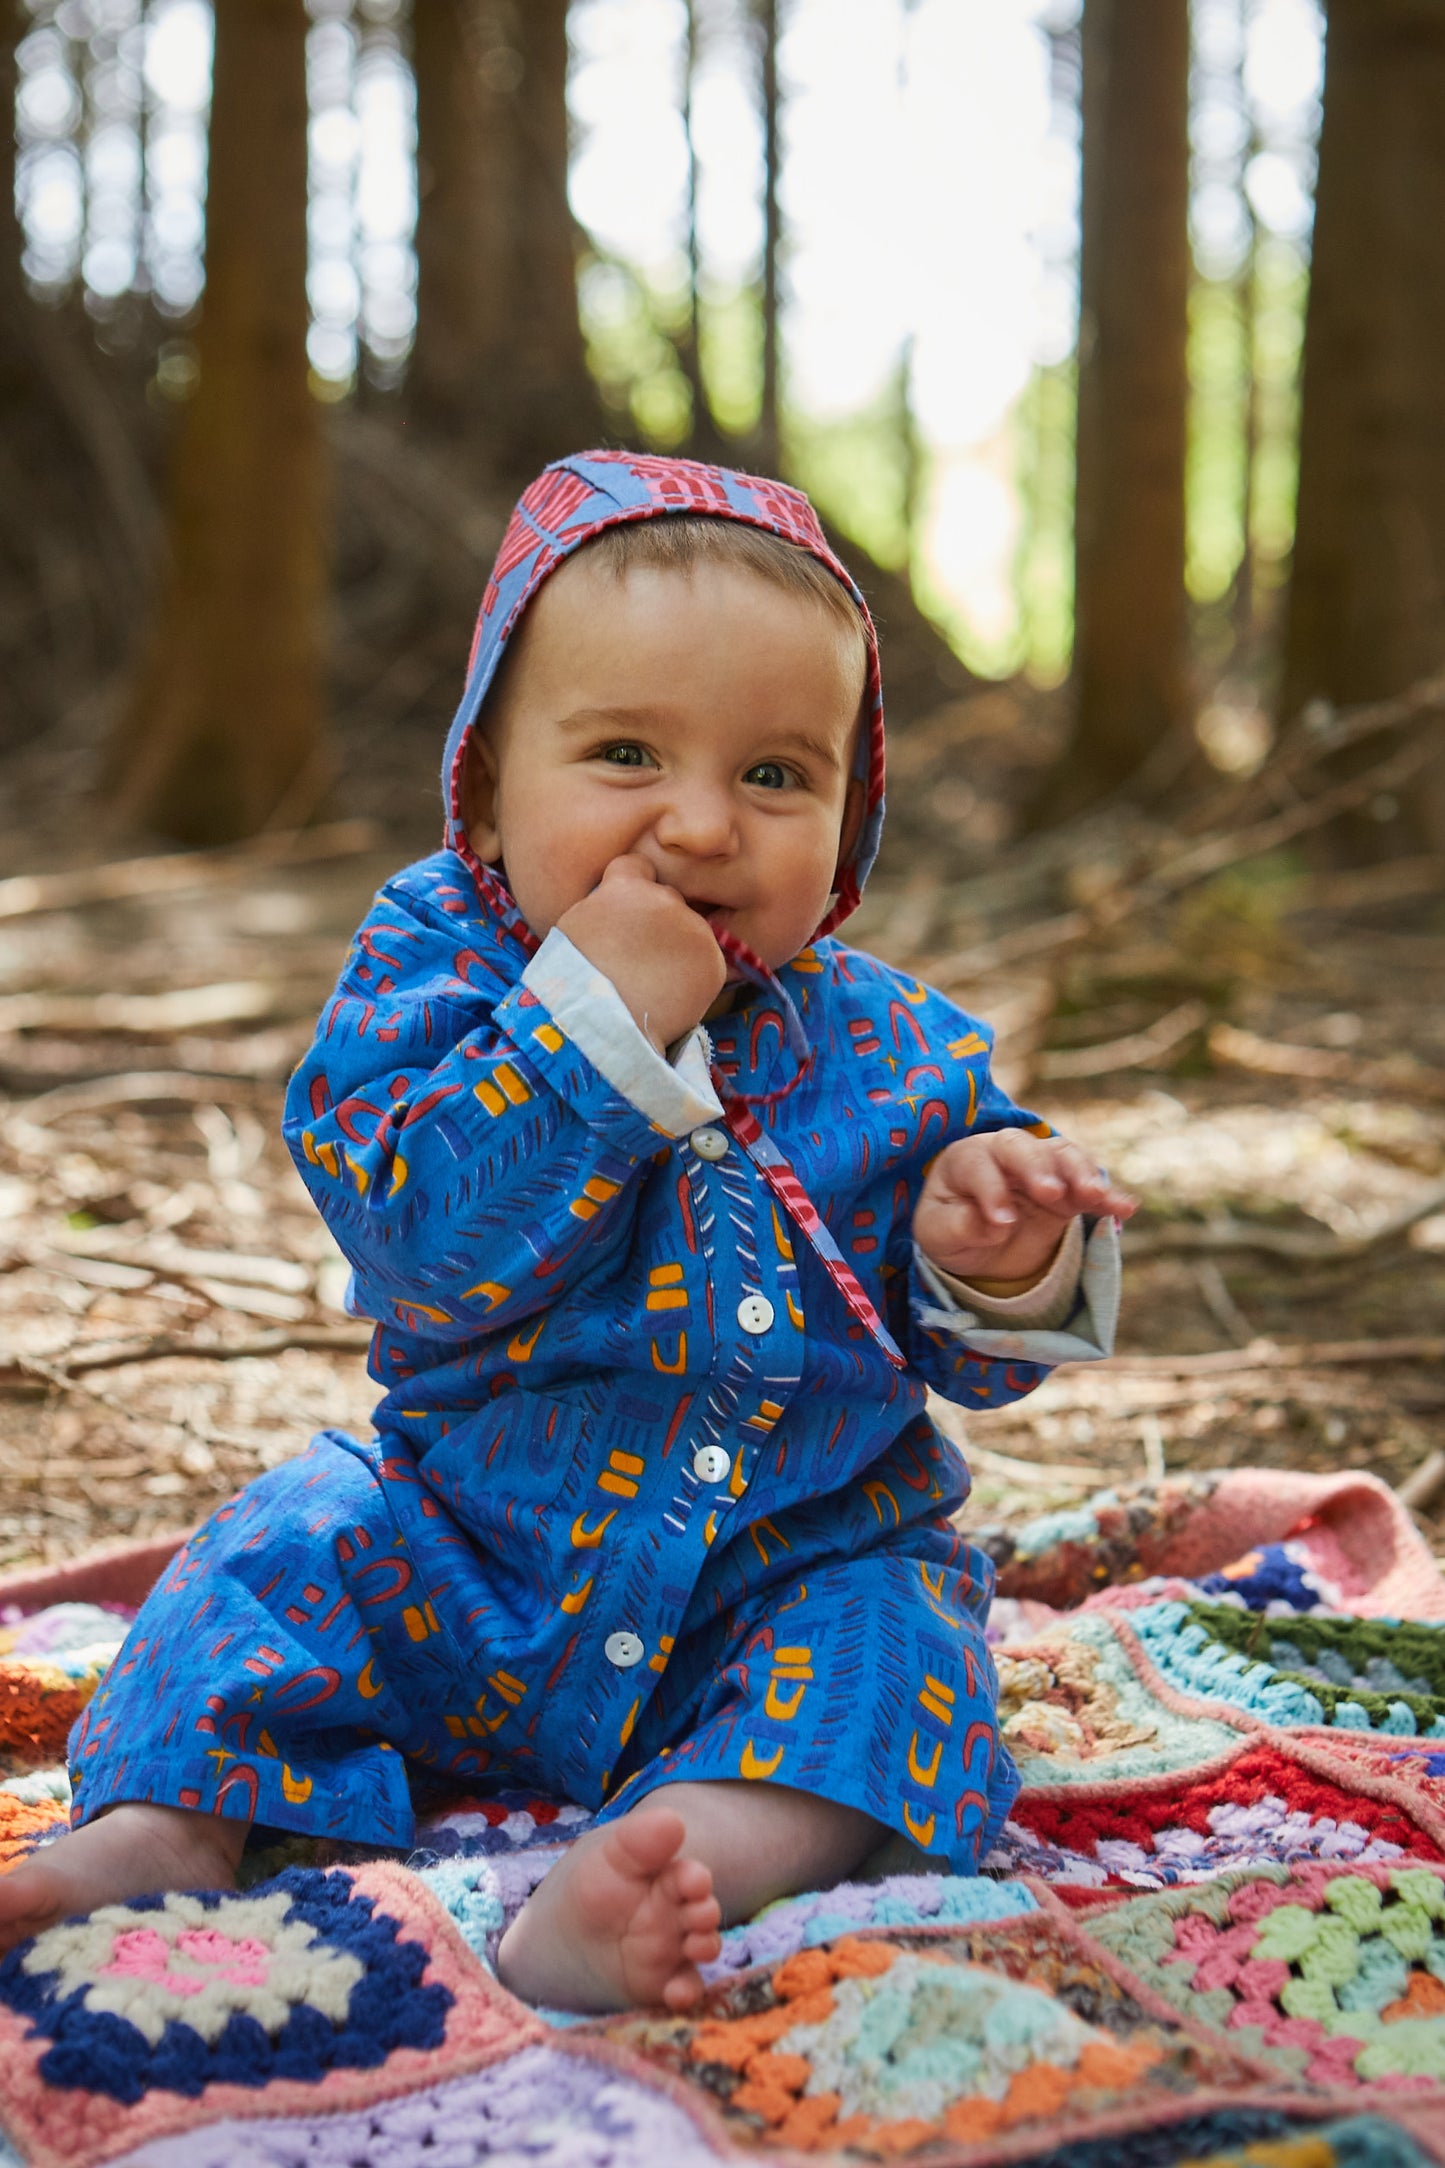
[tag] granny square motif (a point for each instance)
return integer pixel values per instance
(315, 1990)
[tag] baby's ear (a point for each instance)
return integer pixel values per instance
(479, 798)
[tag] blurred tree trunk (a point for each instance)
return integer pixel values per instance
(225, 731)
(1244, 595)
(1366, 611)
(768, 453)
(499, 371)
(77, 520)
(1130, 643)
(705, 439)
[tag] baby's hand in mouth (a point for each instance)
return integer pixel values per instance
(657, 946)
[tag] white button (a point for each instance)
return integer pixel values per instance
(755, 1313)
(709, 1143)
(624, 1650)
(711, 1464)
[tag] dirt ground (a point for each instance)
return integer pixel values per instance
(1265, 1064)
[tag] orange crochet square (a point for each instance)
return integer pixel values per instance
(21, 1822)
(38, 1704)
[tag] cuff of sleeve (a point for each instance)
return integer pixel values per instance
(1089, 1325)
(675, 1094)
(1049, 1303)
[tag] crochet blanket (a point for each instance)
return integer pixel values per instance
(1212, 1932)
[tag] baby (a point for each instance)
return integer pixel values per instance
(669, 1208)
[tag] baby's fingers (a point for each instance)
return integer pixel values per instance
(978, 1187)
(1075, 1184)
(1086, 1188)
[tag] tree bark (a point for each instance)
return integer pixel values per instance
(769, 452)
(499, 370)
(77, 523)
(705, 439)
(1366, 613)
(225, 731)
(1130, 646)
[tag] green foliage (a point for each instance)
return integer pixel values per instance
(1233, 927)
(1218, 369)
(631, 329)
(853, 468)
(731, 355)
(1252, 326)
(1282, 288)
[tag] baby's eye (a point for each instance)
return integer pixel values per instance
(625, 753)
(770, 775)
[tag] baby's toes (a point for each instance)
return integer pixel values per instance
(689, 1881)
(703, 1917)
(684, 1988)
(643, 1842)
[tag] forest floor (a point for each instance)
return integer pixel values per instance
(1257, 1049)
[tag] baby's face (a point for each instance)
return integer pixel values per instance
(706, 720)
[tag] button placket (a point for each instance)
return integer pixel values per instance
(710, 1464)
(709, 1144)
(756, 1314)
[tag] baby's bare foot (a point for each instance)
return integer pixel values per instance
(622, 1919)
(132, 1851)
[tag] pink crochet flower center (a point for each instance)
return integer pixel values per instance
(142, 1954)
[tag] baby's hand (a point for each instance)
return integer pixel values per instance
(660, 954)
(995, 1206)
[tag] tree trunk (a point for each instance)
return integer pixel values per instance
(1130, 646)
(1366, 612)
(769, 453)
(705, 439)
(499, 370)
(224, 734)
(77, 521)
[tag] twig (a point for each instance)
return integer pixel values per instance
(1227, 1233)
(1195, 863)
(1221, 1304)
(1217, 852)
(1320, 1064)
(238, 1001)
(1152, 1432)
(315, 1339)
(986, 956)
(27, 1131)
(1139, 1050)
(1280, 1355)
(1361, 886)
(1320, 732)
(1324, 730)
(1031, 1474)
(265, 1057)
(285, 1275)
(62, 1382)
(27, 893)
(1424, 1484)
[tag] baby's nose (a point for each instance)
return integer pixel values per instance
(699, 819)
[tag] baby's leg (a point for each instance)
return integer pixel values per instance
(131, 1851)
(634, 1908)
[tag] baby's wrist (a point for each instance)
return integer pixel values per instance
(981, 1273)
(1004, 1290)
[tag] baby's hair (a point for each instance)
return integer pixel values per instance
(679, 540)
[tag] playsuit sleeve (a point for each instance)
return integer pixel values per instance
(474, 1136)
